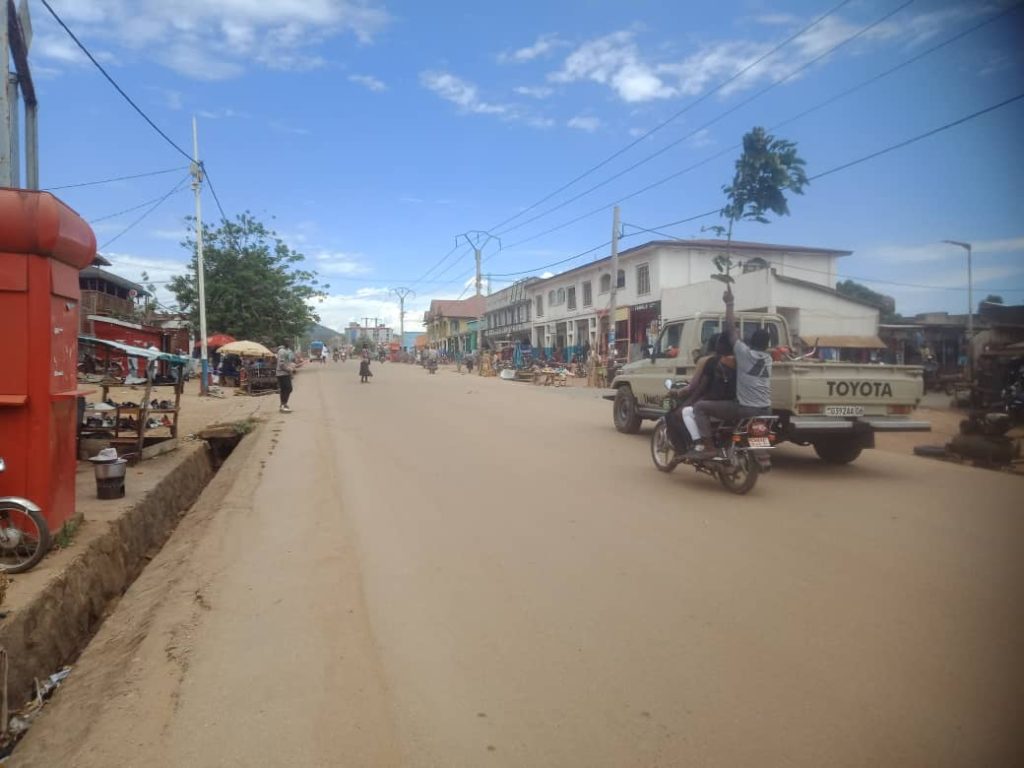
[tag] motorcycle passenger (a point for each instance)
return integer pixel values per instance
(714, 378)
(753, 384)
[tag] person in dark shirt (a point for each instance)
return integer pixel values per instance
(714, 378)
(753, 383)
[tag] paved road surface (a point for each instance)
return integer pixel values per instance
(448, 571)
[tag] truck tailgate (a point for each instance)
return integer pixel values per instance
(847, 389)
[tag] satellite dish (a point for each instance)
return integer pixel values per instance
(132, 293)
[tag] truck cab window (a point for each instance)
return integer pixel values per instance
(668, 342)
(708, 329)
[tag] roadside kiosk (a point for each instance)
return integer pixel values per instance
(43, 245)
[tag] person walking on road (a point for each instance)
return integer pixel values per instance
(285, 369)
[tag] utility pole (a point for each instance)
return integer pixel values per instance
(15, 39)
(402, 293)
(478, 240)
(970, 308)
(197, 186)
(615, 284)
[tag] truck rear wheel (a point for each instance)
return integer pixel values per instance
(624, 411)
(837, 450)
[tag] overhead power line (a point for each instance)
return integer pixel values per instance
(209, 181)
(739, 73)
(126, 210)
(438, 263)
(156, 204)
(648, 158)
(823, 174)
(919, 137)
(113, 82)
(832, 99)
(116, 178)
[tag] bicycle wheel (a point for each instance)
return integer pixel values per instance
(24, 537)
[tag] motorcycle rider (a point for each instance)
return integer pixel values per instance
(714, 378)
(753, 384)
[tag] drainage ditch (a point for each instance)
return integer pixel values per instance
(51, 631)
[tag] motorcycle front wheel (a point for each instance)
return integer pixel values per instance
(24, 537)
(662, 452)
(740, 474)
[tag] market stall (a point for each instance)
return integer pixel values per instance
(257, 373)
(140, 427)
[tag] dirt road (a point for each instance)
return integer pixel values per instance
(449, 571)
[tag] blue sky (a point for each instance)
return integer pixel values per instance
(375, 132)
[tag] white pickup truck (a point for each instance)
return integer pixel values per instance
(836, 407)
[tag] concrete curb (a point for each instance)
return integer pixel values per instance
(54, 628)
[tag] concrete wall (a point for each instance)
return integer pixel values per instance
(808, 311)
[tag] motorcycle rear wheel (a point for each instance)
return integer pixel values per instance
(662, 452)
(740, 475)
(24, 538)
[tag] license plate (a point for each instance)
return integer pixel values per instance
(759, 442)
(844, 410)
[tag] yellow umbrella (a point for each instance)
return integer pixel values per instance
(245, 349)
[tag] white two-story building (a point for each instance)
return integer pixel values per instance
(569, 312)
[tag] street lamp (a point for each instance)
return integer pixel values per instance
(970, 307)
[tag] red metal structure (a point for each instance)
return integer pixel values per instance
(43, 245)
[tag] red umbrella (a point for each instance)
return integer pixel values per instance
(218, 340)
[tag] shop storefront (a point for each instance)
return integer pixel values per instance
(643, 323)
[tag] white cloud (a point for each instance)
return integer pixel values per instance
(614, 60)
(701, 138)
(215, 40)
(282, 127)
(59, 48)
(460, 92)
(369, 82)
(636, 133)
(544, 45)
(534, 91)
(338, 263)
(584, 123)
(220, 114)
(639, 75)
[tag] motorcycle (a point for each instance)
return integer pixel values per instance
(432, 365)
(24, 534)
(742, 450)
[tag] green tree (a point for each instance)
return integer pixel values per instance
(765, 171)
(256, 287)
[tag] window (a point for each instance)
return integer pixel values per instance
(540, 306)
(588, 294)
(668, 342)
(643, 279)
(621, 282)
(571, 297)
(606, 283)
(561, 296)
(551, 298)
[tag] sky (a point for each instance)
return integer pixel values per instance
(370, 135)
